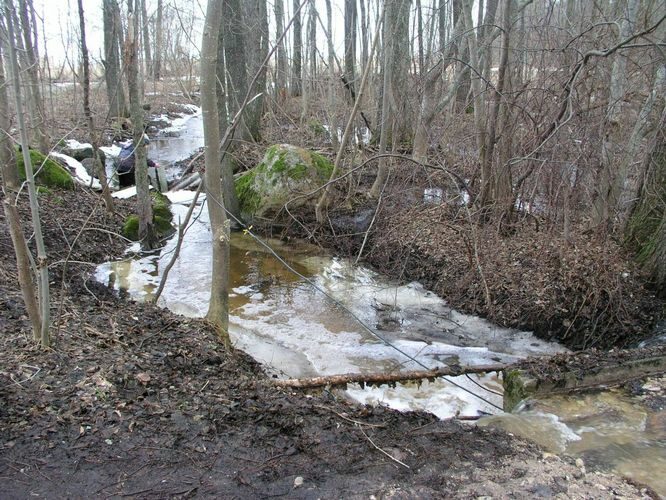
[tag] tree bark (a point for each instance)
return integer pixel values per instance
(350, 42)
(144, 200)
(159, 42)
(609, 186)
(145, 35)
(8, 168)
(42, 260)
(256, 20)
(218, 308)
(98, 165)
(112, 35)
(496, 179)
(36, 104)
(234, 31)
(281, 65)
(297, 62)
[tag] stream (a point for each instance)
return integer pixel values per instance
(286, 322)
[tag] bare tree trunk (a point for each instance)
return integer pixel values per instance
(42, 260)
(364, 34)
(350, 42)
(256, 20)
(281, 65)
(496, 182)
(233, 26)
(8, 168)
(218, 308)
(145, 35)
(159, 42)
(610, 185)
(36, 104)
(98, 165)
(10, 185)
(386, 110)
(332, 122)
(310, 73)
(297, 62)
(225, 102)
(144, 200)
(646, 229)
(112, 36)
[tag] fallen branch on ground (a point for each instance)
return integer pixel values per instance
(386, 378)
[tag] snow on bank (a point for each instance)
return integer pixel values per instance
(80, 174)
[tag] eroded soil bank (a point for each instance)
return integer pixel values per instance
(135, 401)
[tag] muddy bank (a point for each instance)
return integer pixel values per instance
(133, 400)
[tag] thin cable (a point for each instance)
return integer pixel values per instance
(338, 303)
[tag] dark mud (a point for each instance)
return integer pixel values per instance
(134, 401)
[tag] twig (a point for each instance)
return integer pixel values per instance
(357, 422)
(384, 452)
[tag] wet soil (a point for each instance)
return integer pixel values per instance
(134, 401)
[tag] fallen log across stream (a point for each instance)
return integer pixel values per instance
(566, 372)
(386, 378)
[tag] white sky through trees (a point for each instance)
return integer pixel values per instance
(61, 25)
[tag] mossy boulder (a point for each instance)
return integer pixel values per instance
(162, 217)
(48, 173)
(285, 173)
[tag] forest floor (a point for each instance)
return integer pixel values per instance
(134, 401)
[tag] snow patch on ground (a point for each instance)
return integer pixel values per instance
(80, 174)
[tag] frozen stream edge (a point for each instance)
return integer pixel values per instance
(296, 332)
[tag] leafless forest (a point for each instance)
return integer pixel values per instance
(532, 121)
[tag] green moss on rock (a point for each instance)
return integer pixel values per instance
(285, 173)
(517, 387)
(49, 173)
(161, 206)
(131, 227)
(248, 198)
(162, 217)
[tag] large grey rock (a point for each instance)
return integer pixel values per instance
(285, 173)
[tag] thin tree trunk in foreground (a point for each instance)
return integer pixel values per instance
(42, 263)
(23, 265)
(144, 200)
(218, 308)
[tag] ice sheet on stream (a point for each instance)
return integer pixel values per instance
(296, 331)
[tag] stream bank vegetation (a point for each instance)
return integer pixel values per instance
(509, 154)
